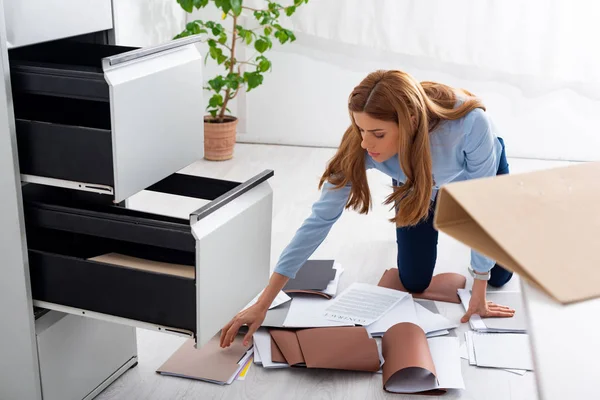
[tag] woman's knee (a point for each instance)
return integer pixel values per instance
(499, 276)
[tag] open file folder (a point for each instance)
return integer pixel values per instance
(542, 225)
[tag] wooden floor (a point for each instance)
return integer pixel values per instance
(364, 245)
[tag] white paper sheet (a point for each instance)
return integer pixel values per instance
(503, 350)
(467, 349)
(470, 348)
(262, 340)
(432, 322)
(241, 365)
(437, 333)
(279, 300)
(362, 304)
(332, 287)
(403, 311)
(306, 311)
(446, 358)
(257, 358)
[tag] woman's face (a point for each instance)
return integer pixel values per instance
(379, 138)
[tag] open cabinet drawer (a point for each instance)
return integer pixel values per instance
(108, 119)
(150, 270)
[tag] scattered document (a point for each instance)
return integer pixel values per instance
(403, 311)
(432, 322)
(468, 353)
(279, 300)
(262, 342)
(503, 350)
(244, 371)
(307, 311)
(332, 287)
(446, 358)
(362, 304)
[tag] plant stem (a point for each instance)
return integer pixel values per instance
(231, 64)
(251, 9)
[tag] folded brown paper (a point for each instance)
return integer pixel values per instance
(345, 348)
(443, 287)
(286, 341)
(408, 366)
(542, 225)
(186, 271)
(209, 363)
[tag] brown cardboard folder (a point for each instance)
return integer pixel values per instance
(345, 348)
(542, 225)
(443, 287)
(410, 362)
(209, 363)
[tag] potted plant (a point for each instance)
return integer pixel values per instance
(220, 127)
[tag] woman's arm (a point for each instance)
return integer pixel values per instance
(325, 212)
(481, 160)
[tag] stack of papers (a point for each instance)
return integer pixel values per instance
(423, 313)
(490, 350)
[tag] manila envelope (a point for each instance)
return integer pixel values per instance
(542, 225)
(344, 348)
(443, 287)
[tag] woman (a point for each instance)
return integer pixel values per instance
(422, 135)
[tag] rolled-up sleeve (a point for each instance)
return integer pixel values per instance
(481, 160)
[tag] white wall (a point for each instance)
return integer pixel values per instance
(303, 101)
(541, 90)
(149, 22)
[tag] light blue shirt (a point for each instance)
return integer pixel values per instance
(461, 149)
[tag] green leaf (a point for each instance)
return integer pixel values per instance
(187, 5)
(268, 30)
(297, 2)
(248, 36)
(282, 36)
(213, 112)
(236, 6)
(224, 5)
(200, 3)
(261, 45)
(223, 38)
(215, 101)
(263, 63)
(221, 58)
(217, 83)
(290, 10)
(234, 81)
(253, 79)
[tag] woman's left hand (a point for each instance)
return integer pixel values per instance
(479, 305)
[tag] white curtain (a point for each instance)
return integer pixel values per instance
(545, 39)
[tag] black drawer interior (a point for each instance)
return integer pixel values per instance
(62, 68)
(61, 273)
(64, 138)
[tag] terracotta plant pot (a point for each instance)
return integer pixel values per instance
(219, 138)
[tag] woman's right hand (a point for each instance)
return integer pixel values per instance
(253, 316)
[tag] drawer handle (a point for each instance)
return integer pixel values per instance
(229, 196)
(147, 51)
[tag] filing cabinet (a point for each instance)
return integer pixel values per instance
(104, 118)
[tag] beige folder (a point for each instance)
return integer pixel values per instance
(542, 225)
(209, 363)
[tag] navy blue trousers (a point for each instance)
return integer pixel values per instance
(417, 249)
